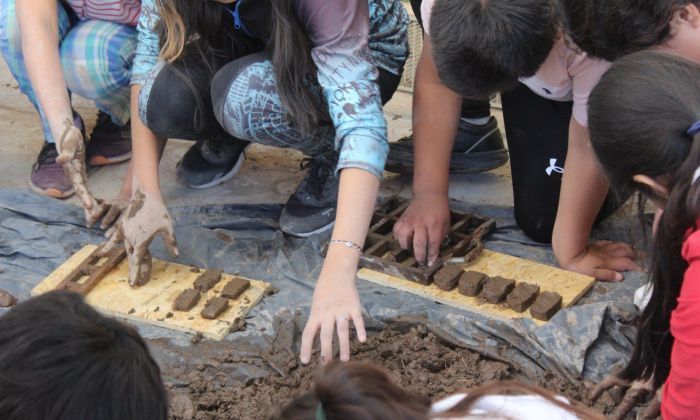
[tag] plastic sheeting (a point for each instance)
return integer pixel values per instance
(37, 234)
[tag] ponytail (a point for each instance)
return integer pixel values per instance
(295, 71)
(639, 115)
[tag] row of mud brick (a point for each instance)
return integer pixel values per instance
(519, 297)
(217, 305)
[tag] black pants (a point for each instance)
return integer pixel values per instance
(470, 108)
(537, 131)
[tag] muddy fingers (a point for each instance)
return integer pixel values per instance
(607, 383)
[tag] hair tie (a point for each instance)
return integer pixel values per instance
(693, 129)
(320, 415)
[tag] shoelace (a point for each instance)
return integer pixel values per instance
(47, 155)
(320, 168)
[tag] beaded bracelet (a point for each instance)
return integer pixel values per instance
(349, 244)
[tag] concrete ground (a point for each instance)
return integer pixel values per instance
(268, 176)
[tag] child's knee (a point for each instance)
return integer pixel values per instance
(242, 88)
(168, 105)
(537, 227)
(94, 75)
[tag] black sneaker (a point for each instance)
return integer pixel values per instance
(477, 148)
(311, 209)
(212, 162)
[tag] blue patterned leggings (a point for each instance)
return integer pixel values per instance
(96, 57)
(240, 101)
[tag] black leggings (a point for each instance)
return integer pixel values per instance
(470, 108)
(537, 131)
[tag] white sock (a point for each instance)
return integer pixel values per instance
(476, 121)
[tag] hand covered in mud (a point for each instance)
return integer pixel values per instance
(424, 226)
(144, 218)
(604, 260)
(335, 304)
(636, 392)
(71, 155)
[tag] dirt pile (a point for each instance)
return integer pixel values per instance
(417, 359)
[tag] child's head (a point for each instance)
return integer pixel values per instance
(482, 47)
(643, 119)
(60, 359)
(610, 29)
(355, 391)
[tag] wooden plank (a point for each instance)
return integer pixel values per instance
(571, 286)
(152, 303)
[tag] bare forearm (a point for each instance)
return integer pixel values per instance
(436, 112)
(146, 149)
(583, 191)
(357, 197)
(38, 22)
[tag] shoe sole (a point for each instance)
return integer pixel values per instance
(459, 164)
(52, 192)
(103, 161)
(308, 234)
(218, 181)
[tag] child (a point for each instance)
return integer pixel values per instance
(306, 74)
(60, 359)
(360, 391)
(611, 29)
(644, 117)
(474, 49)
(55, 48)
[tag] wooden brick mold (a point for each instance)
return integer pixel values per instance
(383, 253)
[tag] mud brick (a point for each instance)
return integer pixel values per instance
(496, 289)
(546, 305)
(448, 276)
(186, 300)
(207, 280)
(471, 282)
(522, 296)
(215, 307)
(235, 288)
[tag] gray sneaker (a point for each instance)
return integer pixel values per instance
(311, 209)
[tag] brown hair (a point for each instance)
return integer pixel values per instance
(357, 390)
(639, 115)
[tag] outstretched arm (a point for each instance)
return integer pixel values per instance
(336, 302)
(583, 191)
(436, 109)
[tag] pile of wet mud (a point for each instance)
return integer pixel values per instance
(415, 358)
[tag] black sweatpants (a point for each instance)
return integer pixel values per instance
(537, 131)
(470, 108)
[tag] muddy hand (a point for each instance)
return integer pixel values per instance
(636, 392)
(144, 218)
(71, 147)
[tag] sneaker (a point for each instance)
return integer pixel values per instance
(109, 143)
(311, 209)
(477, 148)
(48, 176)
(211, 162)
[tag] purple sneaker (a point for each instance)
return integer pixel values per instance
(48, 177)
(109, 143)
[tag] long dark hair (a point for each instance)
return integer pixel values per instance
(639, 115)
(610, 29)
(206, 28)
(362, 391)
(295, 71)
